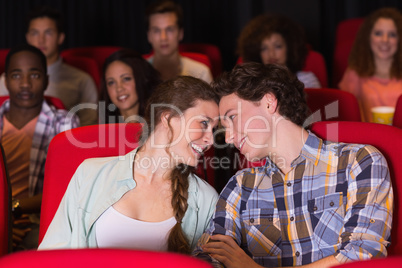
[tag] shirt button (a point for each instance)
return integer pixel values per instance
(251, 220)
(289, 184)
(292, 218)
(331, 204)
(315, 208)
(372, 221)
(297, 254)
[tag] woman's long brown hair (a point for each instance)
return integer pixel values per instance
(182, 93)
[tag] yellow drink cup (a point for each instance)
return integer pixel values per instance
(383, 114)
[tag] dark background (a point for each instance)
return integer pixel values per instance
(219, 22)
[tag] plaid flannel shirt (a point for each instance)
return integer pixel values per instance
(336, 200)
(50, 123)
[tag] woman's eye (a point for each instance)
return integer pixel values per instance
(232, 117)
(394, 35)
(109, 83)
(377, 33)
(204, 124)
(127, 78)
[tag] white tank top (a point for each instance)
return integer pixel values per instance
(115, 230)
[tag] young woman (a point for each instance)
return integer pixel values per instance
(127, 82)
(273, 38)
(374, 74)
(151, 199)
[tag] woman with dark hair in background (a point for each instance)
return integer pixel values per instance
(374, 73)
(150, 199)
(274, 38)
(128, 81)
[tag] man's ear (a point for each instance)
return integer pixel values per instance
(270, 101)
(61, 38)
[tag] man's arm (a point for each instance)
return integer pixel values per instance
(227, 251)
(368, 216)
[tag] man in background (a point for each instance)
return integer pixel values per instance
(71, 85)
(165, 31)
(27, 125)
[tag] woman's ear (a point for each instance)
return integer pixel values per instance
(271, 102)
(165, 119)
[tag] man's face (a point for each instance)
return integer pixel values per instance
(164, 34)
(43, 34)
(246, 125)
(26, 80)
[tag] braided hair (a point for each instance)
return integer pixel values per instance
(177, 95)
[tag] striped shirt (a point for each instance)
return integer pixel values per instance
(50, 123)
(336, 200)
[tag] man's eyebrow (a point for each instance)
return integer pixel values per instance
(15, 70)
(225, 115)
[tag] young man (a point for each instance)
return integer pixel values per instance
(313, 202)
(27, 125)
(165, 31)
(71, 85)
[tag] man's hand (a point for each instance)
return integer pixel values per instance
(224, 249)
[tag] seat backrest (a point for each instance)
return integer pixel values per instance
(69, 149)
(192, 55)
(397, 121)
(328, 104)
(56, 102)
(85, 64)
(210, 50)
(388, 140)
(345, 36)
(3, 55)
(315, 63)
(98, 53)
(100, 258)
(5, 204)
(198, 57)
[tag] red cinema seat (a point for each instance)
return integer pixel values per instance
(100, 258)
(98, 53)
(5, 207)
(397, 121)
(3, 55)
(69, 149)
(345, 36)
(328, 104)
(209, 50)
(87, 65)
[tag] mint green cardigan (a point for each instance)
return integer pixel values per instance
(97, 184)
